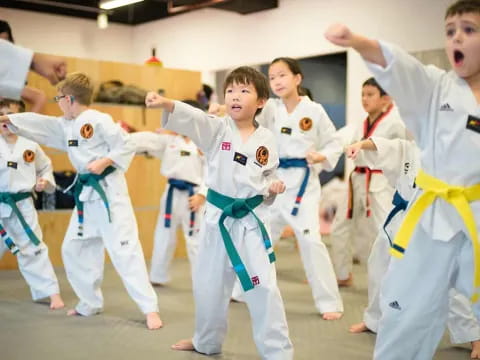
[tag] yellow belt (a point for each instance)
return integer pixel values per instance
(457, 196)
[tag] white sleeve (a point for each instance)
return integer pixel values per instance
(14, 66)
(270, 170)
(409, 83)
(43, 129)
(346, 134)
(328, 143)
(200, 127)
(392, 154)
(44, 169)
(121, 146)
(151, 143)
(266, 118)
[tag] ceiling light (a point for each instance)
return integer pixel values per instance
(112, 4)
(102, 21)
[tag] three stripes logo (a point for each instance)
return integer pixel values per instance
(395, 305)
(446, 107)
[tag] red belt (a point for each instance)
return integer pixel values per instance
(368, 172)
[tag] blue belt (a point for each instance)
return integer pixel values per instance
(286, 163)
(182, 186)
(400, 204)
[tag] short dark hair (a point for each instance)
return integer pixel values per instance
(5, 28)
(372, 82)
(462, 7)
(248, 75)
(7, 102)
(294, 66)
(207, 90)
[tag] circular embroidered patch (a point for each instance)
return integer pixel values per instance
(28, 156)
(262, 155)
(86, 131)
(305, 124)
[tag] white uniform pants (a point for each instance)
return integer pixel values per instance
(462, 323)
(360, 231)
(212, 286)
(84, 256)
(315, 258)
(414, 297)
(33, 261)
(166, 238)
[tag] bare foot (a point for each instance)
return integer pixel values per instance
(153, 321)
(347, 282)
(475, 350)
(358, 328)
(56, 302)
(332, 315)
(73, 312)
(183, 345)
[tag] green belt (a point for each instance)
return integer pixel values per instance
(237, 209)
(92, 180)
(11, 199)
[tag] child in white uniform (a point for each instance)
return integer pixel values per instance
(439, 235)
(370, 195)
(182, 202)
(24, 167)
(234, 241)
(101, 152)
(302, 127)
(399, 160)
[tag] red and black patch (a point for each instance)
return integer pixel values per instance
(262, 155)
(473, 123)
(86, 131)
(28, 156)
(306, 123)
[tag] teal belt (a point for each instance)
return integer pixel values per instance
(237, 209)
(11, 199)
(92, 180)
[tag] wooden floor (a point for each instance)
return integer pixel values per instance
(31, 331)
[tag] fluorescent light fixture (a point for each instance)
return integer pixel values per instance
(112, 4)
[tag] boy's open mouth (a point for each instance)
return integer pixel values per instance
(458, 57)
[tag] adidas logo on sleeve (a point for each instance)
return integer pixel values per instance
(395, 305)
(446, 107)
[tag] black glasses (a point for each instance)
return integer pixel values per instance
(59, 97)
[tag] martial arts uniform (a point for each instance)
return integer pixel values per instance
(399, 160)
(14, 67)
(183, 165)
(307, 128)
(237, 171)
(21, 163)
(440, 110)
(105, 222)
(370, 197)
